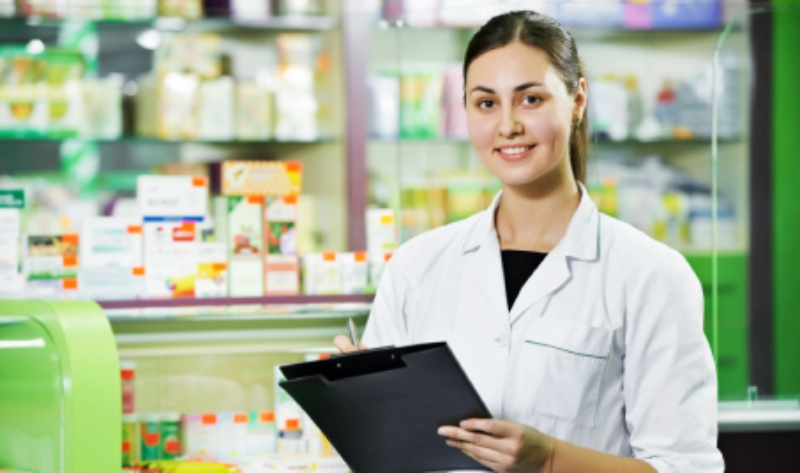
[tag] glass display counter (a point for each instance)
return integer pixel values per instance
(59, 388)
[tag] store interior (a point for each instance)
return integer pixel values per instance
(193, 193)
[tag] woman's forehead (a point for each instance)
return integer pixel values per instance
(509, 66)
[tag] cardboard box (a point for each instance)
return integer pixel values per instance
(245, 243)
(267, 178)
(215, 112)
(170, 259)
(381, 231)
(177, 198)
(212, 270)
(51, 265)
(281, 275)
(112, 261)
(355, 272)
(253, 112)
(280, 225)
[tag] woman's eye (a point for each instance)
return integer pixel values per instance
(485, 104)
(531, 100)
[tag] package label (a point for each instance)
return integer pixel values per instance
(267, 178)
(165, 198)
(12, 199)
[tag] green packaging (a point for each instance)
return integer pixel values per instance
(170, 436)
(150, 430)
(129, 441)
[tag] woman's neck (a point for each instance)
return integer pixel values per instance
(536, 217)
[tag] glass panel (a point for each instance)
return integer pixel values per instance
(756, 250)
(31, 397)
(649, 74)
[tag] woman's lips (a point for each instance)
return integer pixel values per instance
(514, 153)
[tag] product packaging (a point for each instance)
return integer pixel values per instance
(288, 413)
(232, 436)
(112, 261)
(262, 435)
(280, 229)
(355, 272)
(212, 270)
(51, 266)
(194, 53)
(254, 119)
(177, 106)
(381, 231)
(377, 265)
(170, 436)
(128, 376)
(606, 14)
(130, 440)
(290, 438)
(172, 198)
(245, 243)
(150, 434)
(170, 259)
(102, 108)
(200, 436)
(281, 275)
(384, 106)
(216, 118)
(11, 201)
(267, 178)
(189, 9)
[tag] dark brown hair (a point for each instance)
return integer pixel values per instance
(540, 31)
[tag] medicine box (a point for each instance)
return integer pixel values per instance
(267, 178)
(170, 257)
(245, 246)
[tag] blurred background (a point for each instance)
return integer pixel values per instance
(111, 111)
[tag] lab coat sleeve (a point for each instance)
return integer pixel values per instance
(387, 320)
(670, 384)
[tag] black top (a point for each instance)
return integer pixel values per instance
(518, 266)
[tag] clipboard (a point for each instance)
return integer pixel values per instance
(381, 408)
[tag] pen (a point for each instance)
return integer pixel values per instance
(351, 326)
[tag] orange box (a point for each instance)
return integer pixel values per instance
(69, 283)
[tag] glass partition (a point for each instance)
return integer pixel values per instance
(756, 215)
(649, 69)
(31, 397)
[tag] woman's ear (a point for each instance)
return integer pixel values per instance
(581, 99)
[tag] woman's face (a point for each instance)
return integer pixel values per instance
(520, 114)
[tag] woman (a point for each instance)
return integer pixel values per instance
(581, 332)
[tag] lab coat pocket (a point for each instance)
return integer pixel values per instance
(565, 362)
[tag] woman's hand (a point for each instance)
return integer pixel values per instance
(502, 445)
(345, 345)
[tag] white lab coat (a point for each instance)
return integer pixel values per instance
(603, 348)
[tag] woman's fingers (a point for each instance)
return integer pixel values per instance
(343, 344)
(489, 457)
(478, 439)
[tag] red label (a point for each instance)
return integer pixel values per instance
(294, 166)
(126, 446)
(69, 283)
(70, 238)
(134, 229)
(361, 256)
(182, 234)
(240, 418)
(290, 200)
(255, 199)
(172, 447)
(139, 271)
(267, 416)
(152, 439)
(70, 261)
(199, 181)
(328, 256)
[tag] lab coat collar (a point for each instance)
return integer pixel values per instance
(581, 241)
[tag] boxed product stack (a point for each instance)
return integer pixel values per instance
(51, 266)
(112, 263)
(11, 282)
(257, 216)
(171, 208)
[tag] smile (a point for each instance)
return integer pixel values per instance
(514, 153)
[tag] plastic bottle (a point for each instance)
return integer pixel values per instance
(170, 435)
(127, 371)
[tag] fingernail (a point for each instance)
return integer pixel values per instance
(443, 432)
(451, 443)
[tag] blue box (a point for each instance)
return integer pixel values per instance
(686, 14)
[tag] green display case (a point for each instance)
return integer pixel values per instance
(60, 399)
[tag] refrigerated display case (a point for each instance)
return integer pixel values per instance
(59, 388)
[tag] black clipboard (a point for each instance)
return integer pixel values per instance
(381, 409)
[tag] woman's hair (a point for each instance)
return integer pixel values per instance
(543, 32)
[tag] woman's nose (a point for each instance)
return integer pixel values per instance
(509, 125)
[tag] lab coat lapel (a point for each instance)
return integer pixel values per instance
(483, 268)
(580, 242)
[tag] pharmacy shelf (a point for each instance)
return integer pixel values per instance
(236, 301)
(26, 139)
(594, 142)
(277, 23)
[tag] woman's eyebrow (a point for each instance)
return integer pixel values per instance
(521, 87)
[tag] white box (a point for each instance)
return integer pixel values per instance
(355, 272)
(170, 259)
(163, 198)
(212, 270)
(381, 231)
(281, 275)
